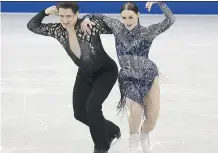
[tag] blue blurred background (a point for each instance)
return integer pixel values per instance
(114, 7)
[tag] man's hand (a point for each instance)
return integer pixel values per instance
(51, 10)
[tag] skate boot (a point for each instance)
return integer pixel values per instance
(145, 143)
(133, 142)
(100, 151)
(115, 137)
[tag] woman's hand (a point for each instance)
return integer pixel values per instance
(86, 26)
(148, 5)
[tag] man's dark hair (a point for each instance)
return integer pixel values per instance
(69, 5)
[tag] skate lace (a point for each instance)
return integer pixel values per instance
(149, 142)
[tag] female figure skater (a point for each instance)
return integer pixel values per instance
(138, 77)
(97, 72)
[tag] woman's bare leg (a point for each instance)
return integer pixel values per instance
(152, 104)
(135, 112)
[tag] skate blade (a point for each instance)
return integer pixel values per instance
(118, 138)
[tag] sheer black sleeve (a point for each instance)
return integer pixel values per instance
(36, 26)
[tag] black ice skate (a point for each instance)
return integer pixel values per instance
(115, 138)
(100, 151)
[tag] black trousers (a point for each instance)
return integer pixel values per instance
(88, 96)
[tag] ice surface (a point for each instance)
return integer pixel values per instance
(38, 78)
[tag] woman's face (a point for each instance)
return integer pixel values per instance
(129, 19)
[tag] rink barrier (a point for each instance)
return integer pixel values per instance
(114, 7)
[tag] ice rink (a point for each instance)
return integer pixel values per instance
(37, 78)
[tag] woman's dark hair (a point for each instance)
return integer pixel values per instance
(130, 6)
(69, 5)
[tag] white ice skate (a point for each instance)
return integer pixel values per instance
(134, 142)
(145, 143)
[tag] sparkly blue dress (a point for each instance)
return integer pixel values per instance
(137, 72)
